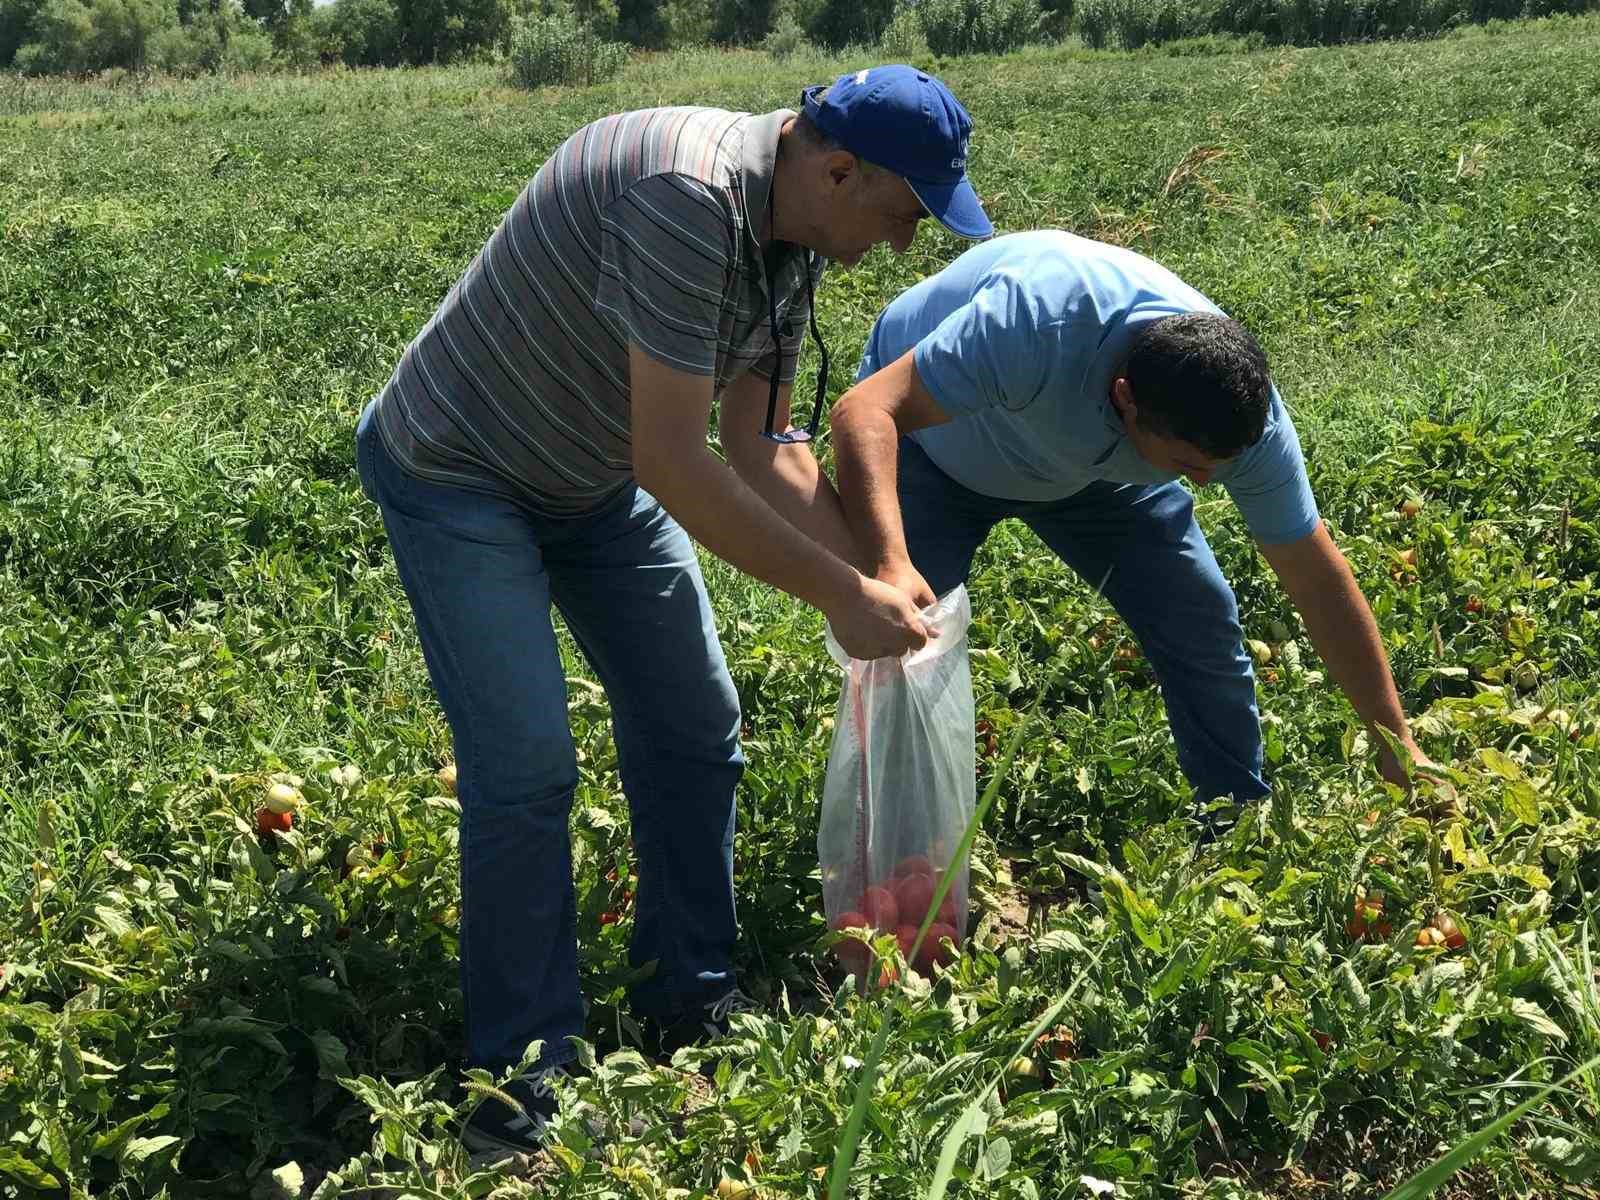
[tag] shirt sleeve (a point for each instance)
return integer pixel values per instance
(666, 266)
(1268, 483)
(988, 353)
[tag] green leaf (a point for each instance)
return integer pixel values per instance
(996, 1157)
(331, 1060)
(1530, 1013)
(25, 1171)
(1523, 802)
(1566, 1158)
(109, 1142)
(1428, 1180)
(112, 920)
(1500, 764)
(1171, 979)
(140, 1149)
(90, 970)
(55, 1138)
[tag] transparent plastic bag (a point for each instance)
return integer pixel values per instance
(900, 789)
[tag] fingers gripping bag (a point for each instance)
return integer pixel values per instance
(900, 790)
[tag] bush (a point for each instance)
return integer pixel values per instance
(840, 23)
(16, 27)
(557, 50)
(903, 40)
(685, 23)
(978, 26)
(364, 33)
(785, 38)
(1135, 23)
(90, 35)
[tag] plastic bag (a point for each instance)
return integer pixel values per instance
(900, 789)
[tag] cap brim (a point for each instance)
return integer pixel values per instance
(955, 206)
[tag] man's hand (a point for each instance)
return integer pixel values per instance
(880, 621)
(910, 581)
(1395, 772)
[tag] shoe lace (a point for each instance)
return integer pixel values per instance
(734, 1002)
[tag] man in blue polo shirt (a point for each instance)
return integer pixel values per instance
(1069, 384)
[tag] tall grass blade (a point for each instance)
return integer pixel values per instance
(1428, 1180)
(845, 1156)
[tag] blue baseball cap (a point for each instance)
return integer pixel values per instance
(906, 121)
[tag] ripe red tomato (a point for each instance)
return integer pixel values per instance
(853, 954)
(933, 948)
(267, 820)
(916, 864)
(906, 935)
(880, 907)
(1447, 927)
(914, 896)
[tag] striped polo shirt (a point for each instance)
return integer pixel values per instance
(641, 228)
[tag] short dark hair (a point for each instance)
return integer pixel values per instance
(1200, 377)
(821, 143)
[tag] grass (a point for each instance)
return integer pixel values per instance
(202, 282)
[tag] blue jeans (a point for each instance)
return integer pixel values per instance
(1160, 576)
(481, 573)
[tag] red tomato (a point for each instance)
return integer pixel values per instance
(1446, 925)
(267, 821)
(914, 896)
(880, 907)
(906, 935)
(917, 864)
(947, 910)
(853, 954)
(933, 949)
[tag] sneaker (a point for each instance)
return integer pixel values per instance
(709, 1022)
(496, 1127)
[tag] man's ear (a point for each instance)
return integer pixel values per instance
(1122, 400)
(841, 164)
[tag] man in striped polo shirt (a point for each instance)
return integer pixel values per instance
(543, 440)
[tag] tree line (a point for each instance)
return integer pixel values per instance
(583, 41)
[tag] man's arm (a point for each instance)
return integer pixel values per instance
(786, 476)
(1320, 584)
(671, 460)
(867, 424)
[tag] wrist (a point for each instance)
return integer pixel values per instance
(838, 585)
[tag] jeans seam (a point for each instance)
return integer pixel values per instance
(673, 989)
(467, 701)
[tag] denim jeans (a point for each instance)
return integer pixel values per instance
(481, 573)
(1160, 576)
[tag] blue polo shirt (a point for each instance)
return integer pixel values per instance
(1018, 340)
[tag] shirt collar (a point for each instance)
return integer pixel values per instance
(760, 155)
